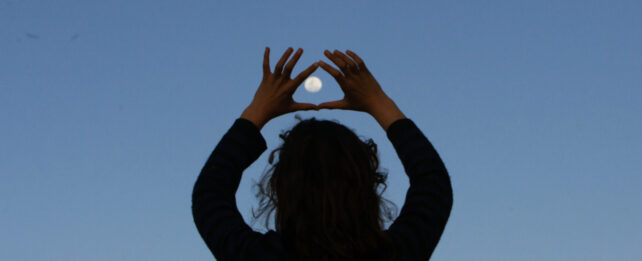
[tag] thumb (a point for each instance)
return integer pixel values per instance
(338, 104)
(303, 106)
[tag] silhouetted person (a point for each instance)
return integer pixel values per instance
(324, 185)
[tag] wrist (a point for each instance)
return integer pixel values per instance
(255, 116)
(387, 113)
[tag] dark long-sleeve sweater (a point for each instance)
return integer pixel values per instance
(415, 232)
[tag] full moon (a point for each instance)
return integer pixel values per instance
(312, 84)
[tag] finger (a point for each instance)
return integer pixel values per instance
(302, 76)
(360, 63)
(279, 66)
(339, 104)
(334, 72)
(288, 68)
(338, 61)
(350, 64)
(303, 106)
(266, 61)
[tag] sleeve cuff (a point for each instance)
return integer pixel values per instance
(399, 127)
(251, 131)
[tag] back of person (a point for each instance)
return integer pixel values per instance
(325, 187)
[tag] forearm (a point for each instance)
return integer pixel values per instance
(386, 112)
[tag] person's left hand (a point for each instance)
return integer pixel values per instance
(274, 95)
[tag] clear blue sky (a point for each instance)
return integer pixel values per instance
(109, 109)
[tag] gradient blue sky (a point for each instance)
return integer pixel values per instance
(109, 109)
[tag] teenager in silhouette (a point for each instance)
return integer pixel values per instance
(324, 185)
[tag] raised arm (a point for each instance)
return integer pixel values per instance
(216, 216)
(429, 199)
(213, 200)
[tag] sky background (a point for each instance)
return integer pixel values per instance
(109, 109)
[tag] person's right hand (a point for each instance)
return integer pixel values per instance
(361, 90)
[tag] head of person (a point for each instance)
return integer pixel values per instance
(325, 190)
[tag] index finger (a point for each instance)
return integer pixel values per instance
(303, 75)
(337, 61)
(266, 61)
(334, 72)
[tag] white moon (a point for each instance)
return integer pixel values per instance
(312, 84)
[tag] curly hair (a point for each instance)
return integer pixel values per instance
(324, 189)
